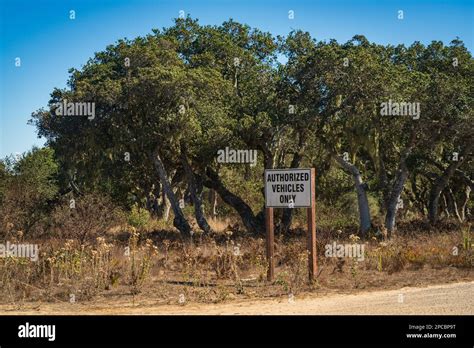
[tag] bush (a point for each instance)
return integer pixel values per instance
(138, 217)
(27, 185)
(85, 218)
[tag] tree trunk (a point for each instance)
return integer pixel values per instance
(362, 201)
(152, 201)
(180, 221)
(167, 209)
(200, 218)
(383, 182)
(467, 193)
(267, 156)
(453, 204)
(251, 223)
(445, 206)
(440, 184)
(164, 207)
(213, 202)
(391, 199)
(392, 202)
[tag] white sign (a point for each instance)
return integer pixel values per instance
(288, 188)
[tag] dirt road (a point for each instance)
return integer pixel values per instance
(455, 298)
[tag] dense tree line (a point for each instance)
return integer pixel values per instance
(165, 104)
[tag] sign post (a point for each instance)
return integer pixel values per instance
(270, 243)
(290, 188)
(312, 256)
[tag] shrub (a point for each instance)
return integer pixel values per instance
(138, 217)
(85, 218)
(27, 186)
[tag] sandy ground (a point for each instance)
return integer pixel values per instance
(455, 298)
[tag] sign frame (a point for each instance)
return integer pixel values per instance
(286, 170)
(311, 240)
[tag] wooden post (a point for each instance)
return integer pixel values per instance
(270, 243)
(312, 256)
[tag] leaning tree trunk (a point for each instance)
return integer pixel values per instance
(445, 205)
(213, 203)
(452, 204)
(394, 194)
(467, 193)
(200, 218)
(392, 202)
(441, 183)
(166, 209)
(362, 201)
(250, 221)
(180, 221)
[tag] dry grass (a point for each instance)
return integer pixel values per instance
(226, 265)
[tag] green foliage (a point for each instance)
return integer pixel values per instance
(138, 217)
(203, 88)
(27, 186)
(38, 169)
(348, 204)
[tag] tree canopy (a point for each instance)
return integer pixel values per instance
(165, 104)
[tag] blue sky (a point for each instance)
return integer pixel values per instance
(48, 43)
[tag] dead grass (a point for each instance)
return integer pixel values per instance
(226, 265)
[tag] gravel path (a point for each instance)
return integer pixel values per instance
(455, 298)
